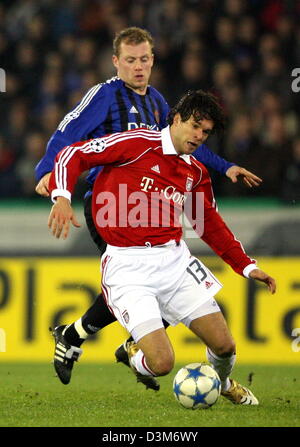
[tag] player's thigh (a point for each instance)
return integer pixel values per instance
(128, 294)
(214, 332)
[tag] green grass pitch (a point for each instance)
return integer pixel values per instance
(107, 395)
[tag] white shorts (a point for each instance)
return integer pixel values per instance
(145, 283)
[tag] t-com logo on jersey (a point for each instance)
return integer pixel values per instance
(151, 207)
(170, 192)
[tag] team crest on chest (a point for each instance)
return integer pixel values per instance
(189, 183)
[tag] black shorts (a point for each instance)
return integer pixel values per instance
(100, 243)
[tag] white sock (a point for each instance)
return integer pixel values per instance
(139, 362)
(79, 329)
(223, 366)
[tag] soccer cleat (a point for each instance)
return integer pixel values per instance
(240, 395)
(124, 353)
(64, 355)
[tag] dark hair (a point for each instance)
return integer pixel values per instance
(199, 104)
(133, 36)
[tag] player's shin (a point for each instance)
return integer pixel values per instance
(223, 365)
(74, 333)
(96, 317)
(138, 361)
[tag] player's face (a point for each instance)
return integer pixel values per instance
(134, 65)
(188, 135)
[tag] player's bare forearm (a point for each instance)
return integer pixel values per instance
(60, 217)
(259, 275)
(248, 177)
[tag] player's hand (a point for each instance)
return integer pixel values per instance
(259, 275)
(60, 217)
(248, 177)
(42, 188)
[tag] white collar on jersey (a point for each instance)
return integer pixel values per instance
(168, 147)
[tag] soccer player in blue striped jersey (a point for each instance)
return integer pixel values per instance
(119, 104)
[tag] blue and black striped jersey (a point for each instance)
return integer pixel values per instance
(112, 107)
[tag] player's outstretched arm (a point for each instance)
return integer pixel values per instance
(259, 275)
(42, 188)
(224, 167)
(248, 177)
(61, 215)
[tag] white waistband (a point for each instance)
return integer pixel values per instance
(141, 250)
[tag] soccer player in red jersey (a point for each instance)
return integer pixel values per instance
(125, 102)
(148, 179)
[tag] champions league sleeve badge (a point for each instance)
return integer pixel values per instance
(97, 145)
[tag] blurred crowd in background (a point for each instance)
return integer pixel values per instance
(243, 51)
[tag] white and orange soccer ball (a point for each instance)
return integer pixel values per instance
(197, 385)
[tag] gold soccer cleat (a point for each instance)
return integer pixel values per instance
(240, 395)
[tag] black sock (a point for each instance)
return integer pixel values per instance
(71, 336)
(96, 317)
(166, 324)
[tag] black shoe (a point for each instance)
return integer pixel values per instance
(64, 355)
(124, 353)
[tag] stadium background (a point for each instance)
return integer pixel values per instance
(243, 51)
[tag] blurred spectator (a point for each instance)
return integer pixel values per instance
(34, 147)
(193, 74)
(225, 35)
(28, 67)
(138, 14)
(50, 118)
(51, 90)
(246, 53)
(269, 105)
(195, 26)
(9, 182)
(234, 101)
(268, 44)
(276, 151)
(85, 54)
(165, 16)
(291, 178)
(18, 124)
(285, 30)
(235, 8)
(244, 147)
(272, 76)
(241, 140)
(224, 76)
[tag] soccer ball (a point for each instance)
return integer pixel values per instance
(197, 385)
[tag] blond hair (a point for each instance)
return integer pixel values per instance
(131, 36)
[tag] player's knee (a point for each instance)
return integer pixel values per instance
(163, 366)
(225, 349)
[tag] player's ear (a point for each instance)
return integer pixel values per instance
(177, 119)
(152, 61)
(115, 61)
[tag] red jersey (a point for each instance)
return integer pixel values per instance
(140, 194)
